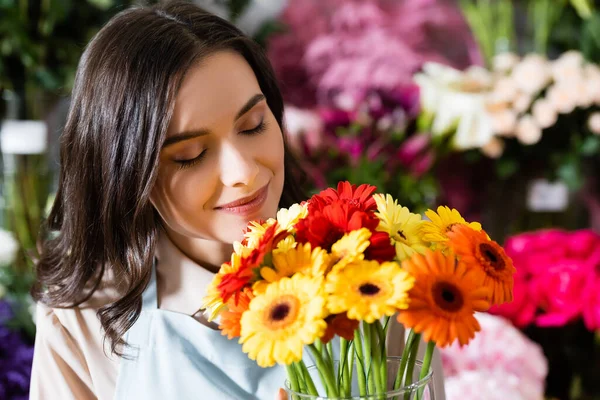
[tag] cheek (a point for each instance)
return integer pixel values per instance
(180, 198)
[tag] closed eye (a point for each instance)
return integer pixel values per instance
(261, 127)
(183, 164)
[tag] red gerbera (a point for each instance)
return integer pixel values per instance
(341, 325)
(360, 197)
(324, 228)
(381, 248)
(233, 283)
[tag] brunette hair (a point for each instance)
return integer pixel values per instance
(122, 103)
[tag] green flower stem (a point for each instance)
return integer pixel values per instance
(410, 367)
(360, 363)
(343, 354)
(381, 331)
(293, 378)
(425, 366)
(329, 347)
(404, 360)
(368, 342)
(301, 381)
(328, 375)
(377, 359)
(310, 385)
(349, 369)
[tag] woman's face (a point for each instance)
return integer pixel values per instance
(222, 162)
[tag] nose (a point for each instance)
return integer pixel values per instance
(238, 167)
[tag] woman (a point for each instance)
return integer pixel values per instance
(173, 143)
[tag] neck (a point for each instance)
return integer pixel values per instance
(209, 254)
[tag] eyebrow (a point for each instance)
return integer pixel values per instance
(187, 135)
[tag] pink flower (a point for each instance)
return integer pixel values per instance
(560, 291)
(557, 275)
(500, 359)
(354, 46)
(591, 304)
(521, 311)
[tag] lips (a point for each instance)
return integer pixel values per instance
(246, 205)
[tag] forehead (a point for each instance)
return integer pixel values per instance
(213, 90)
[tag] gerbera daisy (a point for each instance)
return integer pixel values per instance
(340, 325)
(495, 268)
(231, 317)
(444, 298)
(367, 290)
(381, 248)
(350, 247)
(286, 244)
(213, 300)
(359, 197)
(256, 230)
(324, 228)
(287, 218)
(442, 222)
(290, 314)
(403, 226)
(302, 259)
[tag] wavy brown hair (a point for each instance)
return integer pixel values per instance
(122, 103)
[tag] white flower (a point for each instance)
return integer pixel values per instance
(457, 100)
(494, 148)
(532, 74)
(528, 131)
(594, 123)
(8, 248)
(592, 89)
(504, 122)
(522, 102)
(564, 97)
(544, 113)
(504, 62)
(302, 123)
(568, 67)
(505, 91)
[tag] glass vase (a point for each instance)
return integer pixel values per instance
(419, 389)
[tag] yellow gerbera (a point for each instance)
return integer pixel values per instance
(367, 290)
(287, 218)
(350, 247)
(286, 244)
(256, 230)
(442, 222)
(403, 226)
(212, 301)
(301, 259)
(290, 314)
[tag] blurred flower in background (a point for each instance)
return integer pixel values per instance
(500, 362)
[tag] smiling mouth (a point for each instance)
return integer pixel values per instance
(246, 205)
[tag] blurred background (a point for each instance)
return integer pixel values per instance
(489, 106)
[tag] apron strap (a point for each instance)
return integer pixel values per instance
(150, 297)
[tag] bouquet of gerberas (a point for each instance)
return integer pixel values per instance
(342, 264)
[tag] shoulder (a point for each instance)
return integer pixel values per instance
(72, 341)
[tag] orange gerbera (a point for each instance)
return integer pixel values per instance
(231, 318)
(495, 268)
(444, 298)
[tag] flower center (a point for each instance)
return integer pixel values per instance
(447, 297)
(281, 313)
(368, 289)
(491, 256)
